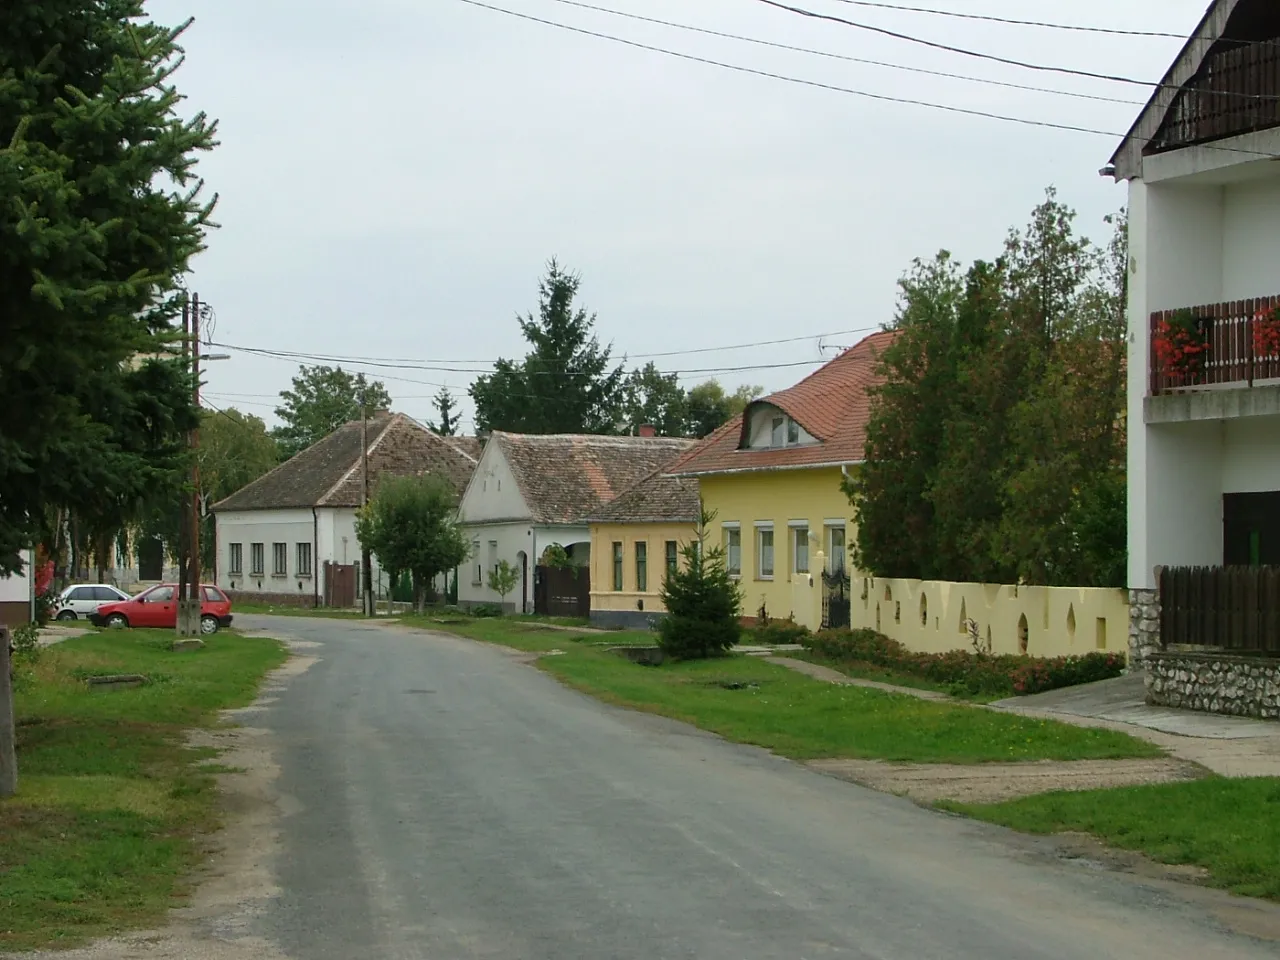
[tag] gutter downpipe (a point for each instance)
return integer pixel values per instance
(315, 559)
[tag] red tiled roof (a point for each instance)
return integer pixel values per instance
(566, 477)
(832, 404)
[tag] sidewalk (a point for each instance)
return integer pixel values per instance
(1227, 746)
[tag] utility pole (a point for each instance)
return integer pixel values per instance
(366, 563)
(197, 592)
(184, 556)
(8, 754)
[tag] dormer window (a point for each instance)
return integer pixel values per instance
(773, 429)
(779, 430)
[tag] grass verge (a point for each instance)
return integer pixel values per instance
(526, 633)
(265, 609)
(111, 807)
(869, 671)
(1229, 827)
(751, 701)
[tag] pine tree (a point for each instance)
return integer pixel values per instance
(447, 426)
(703, 603)
(103, 212)
(566, 383)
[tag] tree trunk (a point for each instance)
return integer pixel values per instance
(419, 595)
(8, 756)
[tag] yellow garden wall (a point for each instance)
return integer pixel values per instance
(780, 497)
(632, 604)
(926, 616)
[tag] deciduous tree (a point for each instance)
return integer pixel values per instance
(323, 399)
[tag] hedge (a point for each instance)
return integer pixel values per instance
(965, 671)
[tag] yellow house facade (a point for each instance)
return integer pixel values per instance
(636, 540)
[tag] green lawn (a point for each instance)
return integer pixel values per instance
(1229, 827)
(111, 807)
(241, 606)
(751, 701)
(534, 635)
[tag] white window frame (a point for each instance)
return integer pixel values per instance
(279, 559)
(761, 529)
(235, 559)
(477, 578)
(257, 559)
(829, 545)
(302, 557)
(794, 529)
(726, 530)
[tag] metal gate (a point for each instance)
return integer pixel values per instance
(836, 604)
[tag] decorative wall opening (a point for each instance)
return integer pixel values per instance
(1071, 621)
(924, 610)
(1024, 634)
(964, 617)
(1102, 633)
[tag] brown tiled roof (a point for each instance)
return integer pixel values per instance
(656, 499)
(567, 477)
(328, 473)
(832, 404)
(471, 446)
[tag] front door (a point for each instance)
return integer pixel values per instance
(1251, 529)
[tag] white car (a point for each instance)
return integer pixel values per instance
(83, 599)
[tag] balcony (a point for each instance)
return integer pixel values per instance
(1215, 362)
(1237, 91)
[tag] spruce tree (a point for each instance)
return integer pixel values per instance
(102, 213)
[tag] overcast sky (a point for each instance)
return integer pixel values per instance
(394, 174)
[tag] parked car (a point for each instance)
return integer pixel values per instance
(82, 599)
(158, 607)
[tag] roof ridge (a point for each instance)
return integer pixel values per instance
(282, 465)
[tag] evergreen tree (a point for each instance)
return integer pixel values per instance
(703, 603)
(447, 425)
(102, 215)
(322, 400)
(566, 383)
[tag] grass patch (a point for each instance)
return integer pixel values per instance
(530, 634)
(1231, 827)
(111, 806)
(870, 671)
(265, 609)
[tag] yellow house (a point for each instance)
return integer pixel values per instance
(635, 541)
(772, 479)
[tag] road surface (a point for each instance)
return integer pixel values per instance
(445, 800)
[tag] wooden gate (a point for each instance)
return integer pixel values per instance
(1234, 608)
(562, 591)
(836, 601)
(339, 584)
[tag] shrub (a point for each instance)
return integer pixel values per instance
(777, 632)
(703, 604)
(485, 610)
(965, 671)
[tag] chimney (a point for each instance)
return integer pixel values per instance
(648, 430)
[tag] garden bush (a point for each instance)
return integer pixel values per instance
(777, 632)
(486, 610)
(965, 671)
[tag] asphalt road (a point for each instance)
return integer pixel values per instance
(448, 801)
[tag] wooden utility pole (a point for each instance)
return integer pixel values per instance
(366, 562)
(184, 557)
(197, 593)
(8, 755)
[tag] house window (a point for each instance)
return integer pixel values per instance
(800, 549)
(235, 558)
(477, 575)
(793, 431)
(733, 551)
(257, 559)
(642, 566)
(673, 558)
(764, 553)
(617, 566)
(280, 559)
(778, 433)
(304, 559)
(493, 556)
(835, 549)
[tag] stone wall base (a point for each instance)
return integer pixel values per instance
(1144, 626)
(301, 600)
(1215, 683)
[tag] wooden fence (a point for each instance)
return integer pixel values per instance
(1235, 92)
(562, 591)
(1234, 608)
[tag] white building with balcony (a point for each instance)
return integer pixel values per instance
(1204, 274)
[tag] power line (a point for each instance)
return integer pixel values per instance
(994, 58)
(1114, 31)
(848, 59)
(833, 88)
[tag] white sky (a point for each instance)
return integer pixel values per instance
(395, 173)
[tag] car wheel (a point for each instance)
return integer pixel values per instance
(117, 620)
(66, 615)
(208, 625)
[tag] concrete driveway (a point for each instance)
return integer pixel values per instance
(437, 798)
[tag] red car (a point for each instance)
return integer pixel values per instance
(158, 608)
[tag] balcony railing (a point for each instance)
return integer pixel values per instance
(1239, 351)
(1237, 91)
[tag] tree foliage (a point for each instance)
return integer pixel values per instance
(708, 407)
(102, 213)
(503, 578)
(996, 446)
(323, 399)
(655, 399)
(447, 425)
(411, 526)
(566, 383)
(703, 603)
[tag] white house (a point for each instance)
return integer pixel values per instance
(1204, 271)
(17, 594)
(530, 492)
(290, 536)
